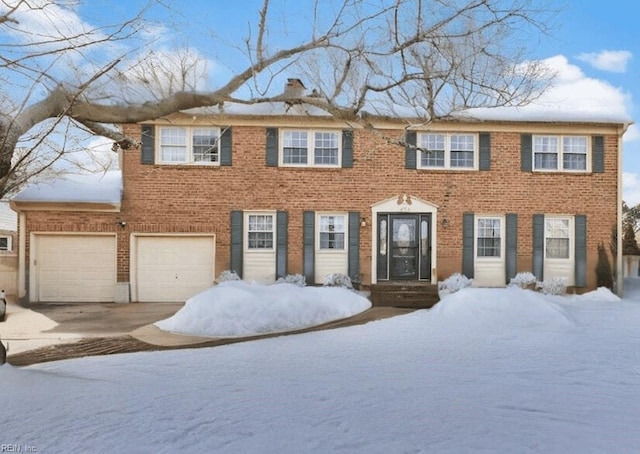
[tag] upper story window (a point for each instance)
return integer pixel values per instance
(560, 153)
(187, 145)
(310, 148)
(448, 151)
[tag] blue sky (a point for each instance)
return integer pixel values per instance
(596, 43)
(587, 27)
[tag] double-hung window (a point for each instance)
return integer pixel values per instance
(557, 238)
(560, 153)
(311, 148)
(260, 232)
(189, 145)
(488, 237)
(5, 243)
(447, 151)
(331, 232)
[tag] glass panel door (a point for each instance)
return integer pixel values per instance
(404, 247)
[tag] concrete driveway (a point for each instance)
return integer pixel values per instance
(104, 319)
(51, 332)
(43, 325)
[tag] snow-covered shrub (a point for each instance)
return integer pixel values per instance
(228, 275)
(296, 279)
(524, 280)
(553, 286)
(337, 280)
(454, 283)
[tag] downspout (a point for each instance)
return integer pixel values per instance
(619, 269)
(22, 256)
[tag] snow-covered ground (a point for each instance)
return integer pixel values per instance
(240, 309)
(483, 371)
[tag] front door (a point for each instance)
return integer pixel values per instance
(404, 246)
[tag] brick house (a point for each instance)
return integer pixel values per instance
(280, 189)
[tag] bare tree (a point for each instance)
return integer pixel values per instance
(414, 58)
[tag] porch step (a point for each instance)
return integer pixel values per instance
(416, 295)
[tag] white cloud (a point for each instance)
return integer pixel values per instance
(608, 60)
(572, 97)
(576, 92)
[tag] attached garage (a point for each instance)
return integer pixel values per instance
(171, 268)
(73, 268)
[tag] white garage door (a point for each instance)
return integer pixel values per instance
(76, 268)
(173, 268)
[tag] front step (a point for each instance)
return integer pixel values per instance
(415, 295)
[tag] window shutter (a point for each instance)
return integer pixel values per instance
(148, 144)
(410, 150)
(511, 246)
(272, 147)
(308, 246)
(581, 250)
(225, 147)
(538, 246)
(526, 152)
(354, 246)
(282, 227)
(347, 148)
(597, 152)
(237, 234)
(485, 151)
(467, 244)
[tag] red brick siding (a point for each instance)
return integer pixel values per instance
(161, 198)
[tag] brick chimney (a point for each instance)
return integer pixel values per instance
(294, 88)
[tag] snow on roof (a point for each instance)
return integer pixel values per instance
(87, 188)
(545, 113)
(261, 109)
(552, 113)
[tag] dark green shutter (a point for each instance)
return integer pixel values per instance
(511, 246)
(526, 152)
(282, 226)
(354, 246)
(225, 147)
(347, 148)
(468, 220)
(410, 150)
(148, 147)
(597, 150)
(308, 246)
(272, 147)
(538, 246)
(237, 235)
(581, 250)
(485, 151)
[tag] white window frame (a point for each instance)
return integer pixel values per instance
(9, 243)
(247, 231)
(422, 144)
(311, 146)
(320, 231)
(571, 234)
(188, 145)
(560, 151)
(502, 232)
